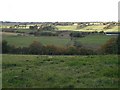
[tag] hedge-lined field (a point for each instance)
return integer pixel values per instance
(90, 40)
(95, 40)
(27, 40)
(90, 28)
(97, 71)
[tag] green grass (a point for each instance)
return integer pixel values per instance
(114, 29)
(25, 30)
(90, 40)
(95, 40)
(99, 71)
(27, 40)
(72, 27)
(89, 28)
(95, 27)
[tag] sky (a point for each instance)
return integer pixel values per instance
(59, 10)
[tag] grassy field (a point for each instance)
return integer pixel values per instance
(114, 29)
(89, 28)
(95, 40)
(72, 27)
(95, 27)
(27, 40)
(99, 71)
(25, 30)
(90, 40)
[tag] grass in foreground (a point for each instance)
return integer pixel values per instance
(99, 71)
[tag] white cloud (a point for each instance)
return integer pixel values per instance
(59, 10)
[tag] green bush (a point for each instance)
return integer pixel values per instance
(110, 47)
(36, 48)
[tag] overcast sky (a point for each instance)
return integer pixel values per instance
(58, 10)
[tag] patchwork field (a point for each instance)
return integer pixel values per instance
(90, 28)
(97, 71)
(70, 27)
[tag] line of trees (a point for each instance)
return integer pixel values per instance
(36, 48)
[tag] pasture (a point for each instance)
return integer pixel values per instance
(69, 27)
(89, 41)
(90, 28)
(27, 40)
(95, 40)
(25, 30)
(34, 71)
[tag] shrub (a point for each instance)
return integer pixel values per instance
(110, 47)
(71, 50)
(101, 32)
(86, 51)
(36, 48)
(118, 44)
(33, 27)
(48, 27)
(5, 47)
(76, 34)
(54, 50)
(50, 50)
(48, 34)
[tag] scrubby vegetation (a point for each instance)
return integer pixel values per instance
(110, 47)
(37, 48)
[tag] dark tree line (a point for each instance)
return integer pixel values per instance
(36, 48)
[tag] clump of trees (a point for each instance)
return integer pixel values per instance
(33, 27)
(48, 33)
(45, 27)
(76, 34)
(36, 48)
(112, 46)
(44, 30)
(48, 27)
(102, 32)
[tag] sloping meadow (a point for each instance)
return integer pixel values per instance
(34, 71)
